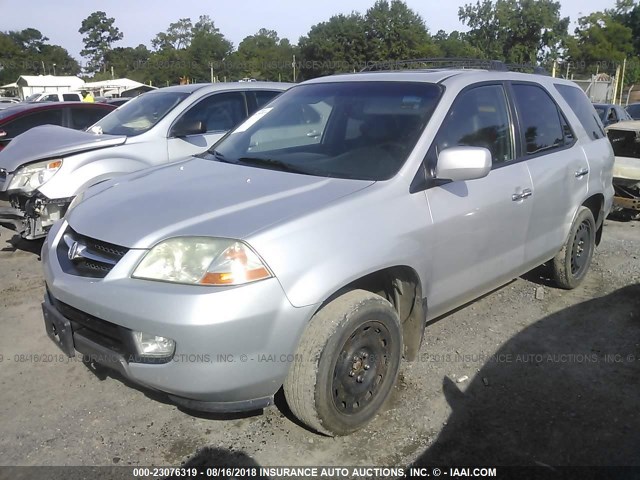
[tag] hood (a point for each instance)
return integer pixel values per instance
(202, 198)
(631, 125)
(50, 141)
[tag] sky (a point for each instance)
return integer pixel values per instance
(141, 20)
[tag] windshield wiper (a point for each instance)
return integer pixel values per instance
(272, 164)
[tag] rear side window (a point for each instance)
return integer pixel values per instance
(264, 96)
(583, 109)
(83, 117)
(70, 97)
(22, 124)
(540, 121)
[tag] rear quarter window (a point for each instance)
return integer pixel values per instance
(583, 109)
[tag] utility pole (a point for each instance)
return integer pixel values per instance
(54, 69)
(624, 66)
(293, 64)
(211, 68)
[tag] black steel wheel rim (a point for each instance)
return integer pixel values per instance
(580, 249)
(361, 368)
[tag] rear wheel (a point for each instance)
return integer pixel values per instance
(570, 265)
(347, 363)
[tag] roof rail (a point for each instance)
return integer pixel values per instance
(452, 63)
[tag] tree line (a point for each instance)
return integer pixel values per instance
(514, 31)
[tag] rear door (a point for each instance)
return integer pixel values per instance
(480, 225)
(559, 170)
(219, 113)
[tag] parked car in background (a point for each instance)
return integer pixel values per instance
(6, 102)
(313, 243)
(54, 97)
(21, 117)
(610, 114)
(157, 127)
(634, 110)
(625, 139)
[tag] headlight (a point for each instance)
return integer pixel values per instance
(202, 261)
(34, 175)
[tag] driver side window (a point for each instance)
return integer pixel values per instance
(479, 118)
(218, 113)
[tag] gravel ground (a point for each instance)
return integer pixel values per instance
(528, 375)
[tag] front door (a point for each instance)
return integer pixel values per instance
(480, 225)
(219, 113)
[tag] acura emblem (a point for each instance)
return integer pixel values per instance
(75, 251)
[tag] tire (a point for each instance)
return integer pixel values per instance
(569, 267)
(346, 363)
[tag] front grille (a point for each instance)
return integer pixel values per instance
(87, 257)
(625, 143)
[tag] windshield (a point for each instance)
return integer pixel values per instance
(634, 111)
(138, 115)
(32, 97)
(601, 111)
(358, 130)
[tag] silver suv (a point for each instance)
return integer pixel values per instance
(309, 248)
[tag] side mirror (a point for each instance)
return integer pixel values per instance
(463, 163)
(184, 129)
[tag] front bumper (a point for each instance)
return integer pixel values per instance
(234, 346)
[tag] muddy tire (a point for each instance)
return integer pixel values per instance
(569, 267)
(346, 364)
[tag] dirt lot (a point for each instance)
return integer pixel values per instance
(552, 380)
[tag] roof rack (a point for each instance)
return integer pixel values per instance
(453, 63)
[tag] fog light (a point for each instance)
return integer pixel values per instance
(153, 346)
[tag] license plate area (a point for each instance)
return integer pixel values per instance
(58, 329)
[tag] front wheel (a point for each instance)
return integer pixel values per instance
(346, 363)
(570, 265)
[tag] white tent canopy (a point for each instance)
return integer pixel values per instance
(113, 87)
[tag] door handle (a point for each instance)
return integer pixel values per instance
(582, 172)
(526, 193)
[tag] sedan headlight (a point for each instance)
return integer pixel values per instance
(202, 261)
(34, 175)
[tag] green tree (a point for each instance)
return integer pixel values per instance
(178, 36)
(100, 34)
(263, 56)
(455, 45)
(520, 31)
(26, 52)
(600, 41)
(395, 32)
(337, 45)
(208, 47)
(128, 62)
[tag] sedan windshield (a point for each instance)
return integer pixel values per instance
(139, 115)
(360, 130)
